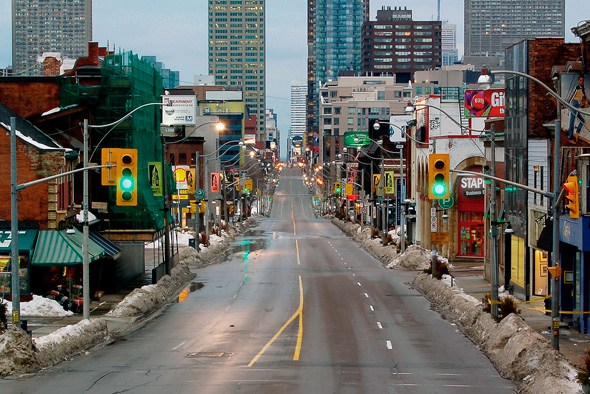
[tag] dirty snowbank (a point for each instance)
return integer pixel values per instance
(517, 351)
(19, 354)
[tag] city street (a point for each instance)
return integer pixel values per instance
(297, 308)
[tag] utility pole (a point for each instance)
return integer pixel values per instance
(197, 200)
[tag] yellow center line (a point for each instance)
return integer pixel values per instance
(298, 313)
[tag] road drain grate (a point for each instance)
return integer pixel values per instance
(205, 355)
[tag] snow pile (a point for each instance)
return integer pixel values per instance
(70, 340)
(17, 353)
(40, 307)
(517, 352)
(414, 258)
(147, 299)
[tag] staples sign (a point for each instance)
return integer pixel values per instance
(484, 103)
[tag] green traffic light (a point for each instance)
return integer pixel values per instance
(439, 189)
(127, 183)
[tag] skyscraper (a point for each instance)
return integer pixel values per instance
(334, 45)
(298, 96)
(397, 44)
(492, 25)
(450, 54)
(39, 26)
(237, 45)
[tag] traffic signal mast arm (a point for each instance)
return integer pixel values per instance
(525, 187)
(60, 175)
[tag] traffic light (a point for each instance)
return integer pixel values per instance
(337, 188)
(572, 197)
(439, 176)
(127, 178)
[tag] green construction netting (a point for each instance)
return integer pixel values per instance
(126, 82)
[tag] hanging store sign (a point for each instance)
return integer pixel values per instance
(215, 182)
(181, 176)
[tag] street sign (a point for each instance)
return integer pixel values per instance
(355, 139)
(433, 220)
(200, 194)
(439, 238)
(446, 203)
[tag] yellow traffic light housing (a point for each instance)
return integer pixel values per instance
(337, 188)
(572, 197)
(127, 178)
(439, 176)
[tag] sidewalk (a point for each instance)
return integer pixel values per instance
(572, 344)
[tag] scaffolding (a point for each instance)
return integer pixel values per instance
(123, 83)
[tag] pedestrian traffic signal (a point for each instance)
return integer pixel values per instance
(127, 178)
(337, 188)
(572, 196)
(439, 176)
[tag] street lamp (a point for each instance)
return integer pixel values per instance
(85, 257)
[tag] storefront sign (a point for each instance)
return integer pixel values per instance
(472, 186)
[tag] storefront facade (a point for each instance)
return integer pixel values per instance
(470, 215)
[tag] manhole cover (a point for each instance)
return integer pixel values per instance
(205, 355)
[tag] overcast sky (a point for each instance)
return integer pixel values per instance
(175, 31)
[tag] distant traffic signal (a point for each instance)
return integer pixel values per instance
(572, 198)
(439, 176)
(127, 178)
(337, 188)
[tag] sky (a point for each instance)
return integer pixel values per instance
(175, 31)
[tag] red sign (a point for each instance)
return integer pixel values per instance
(215, 182)
(484, 103)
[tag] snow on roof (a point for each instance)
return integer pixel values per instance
(31, 141)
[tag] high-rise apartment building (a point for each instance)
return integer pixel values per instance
(237, 45)
(397, 44)
(39, 26)
(298, 97)
(450, 54)
(334, 44)
(493, 25)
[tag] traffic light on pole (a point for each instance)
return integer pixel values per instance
(127, 178)
(337, 188)
(439, 176)
(572, 197)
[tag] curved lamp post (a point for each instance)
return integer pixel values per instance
(85, 256)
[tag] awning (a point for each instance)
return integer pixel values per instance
(110, 248)
(26, 240)
(63, 248)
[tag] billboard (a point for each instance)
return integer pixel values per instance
(356, 139)
(397, 127)
(184, 110)
(484, 103)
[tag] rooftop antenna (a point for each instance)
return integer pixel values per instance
(438, 8)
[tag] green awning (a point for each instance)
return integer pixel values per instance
(26, 240)
(63, 248)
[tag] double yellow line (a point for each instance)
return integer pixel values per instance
(297, 315)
